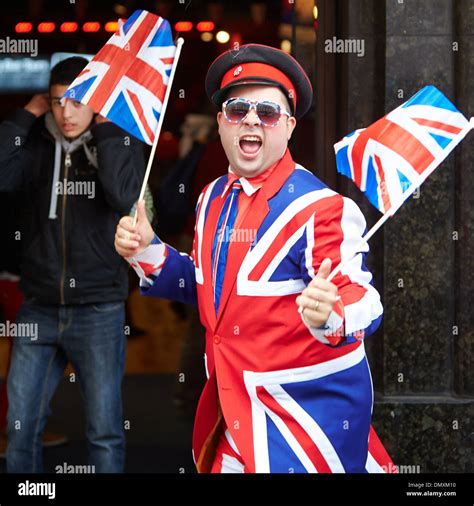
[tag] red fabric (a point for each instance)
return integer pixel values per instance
(224, 448)
(259, 70)
(244, 200)
(380, 454)
(308, 445)
(10, 298)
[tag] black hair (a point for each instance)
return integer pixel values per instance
(67, 70)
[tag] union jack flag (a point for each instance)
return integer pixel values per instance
(392, 157)
(126, 80)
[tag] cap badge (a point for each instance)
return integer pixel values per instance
(238, 70)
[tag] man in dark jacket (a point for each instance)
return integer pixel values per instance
(79, 174)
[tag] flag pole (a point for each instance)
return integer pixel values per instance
(393, 209)
(179, 45)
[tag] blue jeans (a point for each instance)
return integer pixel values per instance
(92, 338)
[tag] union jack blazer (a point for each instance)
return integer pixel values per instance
(294, 398)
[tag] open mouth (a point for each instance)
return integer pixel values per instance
(250, 145)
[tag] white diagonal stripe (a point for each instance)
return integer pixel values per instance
(310, 426)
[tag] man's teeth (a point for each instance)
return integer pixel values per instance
(251, 139)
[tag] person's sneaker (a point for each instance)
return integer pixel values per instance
(49, 439)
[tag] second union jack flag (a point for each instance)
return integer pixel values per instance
(392, 157)
(126, 80)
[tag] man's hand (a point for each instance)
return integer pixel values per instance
(39, 105)
(131, 240)
(318, 298)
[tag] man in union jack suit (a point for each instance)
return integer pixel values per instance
(289, 387)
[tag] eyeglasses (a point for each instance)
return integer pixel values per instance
(236, 110)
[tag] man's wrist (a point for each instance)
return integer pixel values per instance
(151, 240)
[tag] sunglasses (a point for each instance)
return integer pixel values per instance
(236, 110)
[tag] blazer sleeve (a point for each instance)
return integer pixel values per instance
(333, 231)
(165, 272)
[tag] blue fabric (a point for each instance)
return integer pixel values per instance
(429, 95)
(176, 281)
(91, 337)
(341, 404)
(225, 226)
